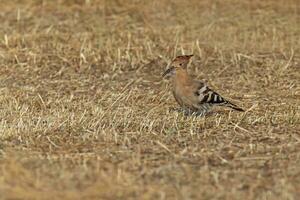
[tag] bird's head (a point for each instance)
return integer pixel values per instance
(179, 63)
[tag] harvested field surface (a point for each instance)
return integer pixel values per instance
(85, 114)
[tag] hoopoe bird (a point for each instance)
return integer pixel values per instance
(195, 97)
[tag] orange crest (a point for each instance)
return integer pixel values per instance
(182, 58)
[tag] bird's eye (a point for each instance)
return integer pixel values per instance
(180, 64)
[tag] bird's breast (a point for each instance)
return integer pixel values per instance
(183, 97)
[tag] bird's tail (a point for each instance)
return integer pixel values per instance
(233, 106)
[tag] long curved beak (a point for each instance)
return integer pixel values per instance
(167, 72)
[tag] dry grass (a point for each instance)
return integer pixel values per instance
(85, 114)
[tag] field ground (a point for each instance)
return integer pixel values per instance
(84, 113)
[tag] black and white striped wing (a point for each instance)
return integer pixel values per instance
(210, 97)
(206, 95)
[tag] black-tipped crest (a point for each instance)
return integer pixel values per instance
(177, 63)
(183, 57)
(182, 61)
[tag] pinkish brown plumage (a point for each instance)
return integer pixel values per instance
(192, 95)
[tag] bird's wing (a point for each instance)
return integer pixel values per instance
(206, 95)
